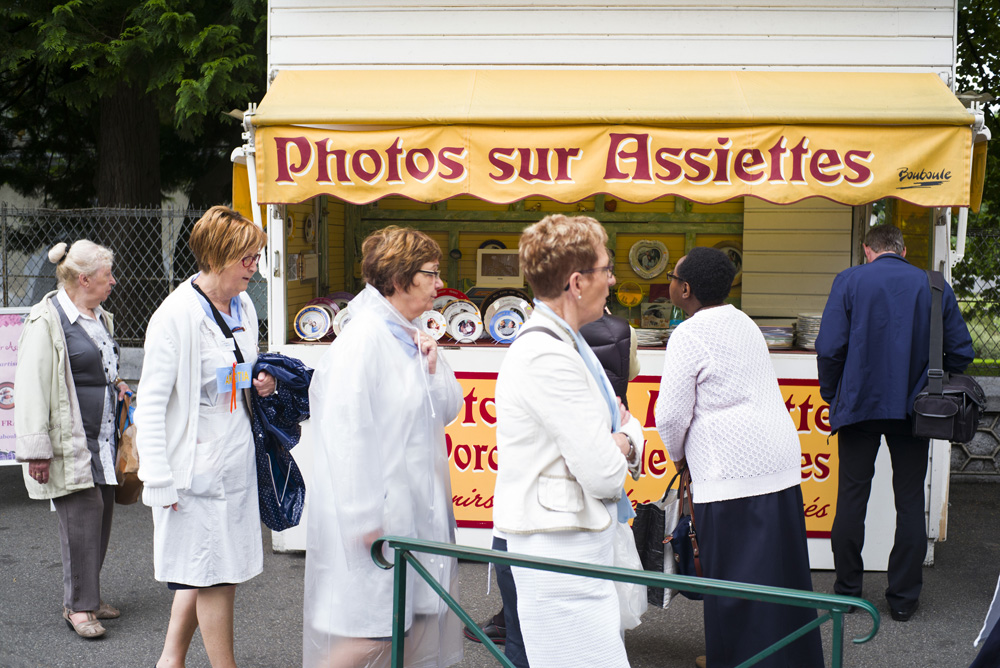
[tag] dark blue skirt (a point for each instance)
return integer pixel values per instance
(757, 540)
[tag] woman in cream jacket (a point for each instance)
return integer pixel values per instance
(565, 446)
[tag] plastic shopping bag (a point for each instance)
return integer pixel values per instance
(631, 597)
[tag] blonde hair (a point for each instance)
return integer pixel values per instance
(392, 256)
(83, 258)
(223, 236)
(556, 246)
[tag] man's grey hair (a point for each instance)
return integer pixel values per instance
(882, 238)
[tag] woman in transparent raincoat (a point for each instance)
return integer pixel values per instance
(382, 396)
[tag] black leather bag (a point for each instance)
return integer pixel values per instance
(949, 407)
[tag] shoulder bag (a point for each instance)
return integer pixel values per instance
(280, 488)
(949, 407)
(129, 487)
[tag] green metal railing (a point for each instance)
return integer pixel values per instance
(834, 605)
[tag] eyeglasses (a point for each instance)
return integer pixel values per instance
(250, 260)
(610, 270)
(435, 274)
(673, 277)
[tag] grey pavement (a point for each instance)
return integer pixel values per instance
(957, 592)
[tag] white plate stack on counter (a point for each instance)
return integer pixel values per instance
(807, 329)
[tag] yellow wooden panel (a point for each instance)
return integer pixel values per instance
(734, 206)
(713, 240)
(792, 263)
(469, 203)
(804, 242)
(661, 205)
(402, 204)
(782, 305)
(780, 283)
(812, 221)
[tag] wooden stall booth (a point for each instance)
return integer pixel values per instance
(779, 168)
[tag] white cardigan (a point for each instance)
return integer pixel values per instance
(558, 462)
(166, 416)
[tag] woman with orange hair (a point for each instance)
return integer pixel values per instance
(196, 449)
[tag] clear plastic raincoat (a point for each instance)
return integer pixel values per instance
(381, 469)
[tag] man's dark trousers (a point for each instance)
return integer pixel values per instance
(858, 446)
(513, 648)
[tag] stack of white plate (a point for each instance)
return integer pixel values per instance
(807, 329)
(651, 337)
(779, 337)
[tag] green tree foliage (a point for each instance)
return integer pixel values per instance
(977, 278)
(112, 101)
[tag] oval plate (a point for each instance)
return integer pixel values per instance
(434, 324)
(313, 322)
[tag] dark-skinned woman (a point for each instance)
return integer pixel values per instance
(721, 414)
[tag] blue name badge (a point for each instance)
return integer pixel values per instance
(224, 377)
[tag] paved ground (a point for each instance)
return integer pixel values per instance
(957, 591)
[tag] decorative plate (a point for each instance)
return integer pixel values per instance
(496, 295)
(505, 325)
(493, 243)
(735, 253)
(446, 296)
(6, 396)
(465, 327)
(629, 294)
(341, 298)
(340, 321)
(521, 307)
(648, 258)
(313, 322)
(289, 226)
(328, 302)
(459, 306)
(309, 229)
(434, 324)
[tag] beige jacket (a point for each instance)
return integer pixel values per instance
(558, 462)
(47, 420)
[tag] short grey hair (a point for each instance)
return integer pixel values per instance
(84, 258)
(885, 237)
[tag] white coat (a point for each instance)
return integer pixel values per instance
(381, 468)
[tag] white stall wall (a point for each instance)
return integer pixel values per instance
(854, 35)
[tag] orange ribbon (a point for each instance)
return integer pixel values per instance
(232, 387)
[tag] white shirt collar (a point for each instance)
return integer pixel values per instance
(72, 312)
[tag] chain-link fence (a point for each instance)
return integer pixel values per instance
(151, 258)
(976, 280)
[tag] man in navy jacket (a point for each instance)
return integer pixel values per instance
(872, 354)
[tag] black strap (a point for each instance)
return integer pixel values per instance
(544, 330)
(222, 323)
(935, 360)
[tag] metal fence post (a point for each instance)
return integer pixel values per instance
(398, 607)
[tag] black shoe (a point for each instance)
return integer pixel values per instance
(903, 615)
(494, 630)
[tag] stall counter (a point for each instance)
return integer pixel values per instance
(472, 452)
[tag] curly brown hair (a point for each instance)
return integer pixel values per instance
(556, 246)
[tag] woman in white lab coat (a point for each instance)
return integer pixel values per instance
(382, 396)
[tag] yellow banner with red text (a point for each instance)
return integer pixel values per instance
(928, 166)
(471, 441)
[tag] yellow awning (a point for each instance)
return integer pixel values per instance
(708, 136)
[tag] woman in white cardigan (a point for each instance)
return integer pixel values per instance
(720, 412)
(565, 445)
(196, 449)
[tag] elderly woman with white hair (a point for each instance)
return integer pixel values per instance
(67, 386)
